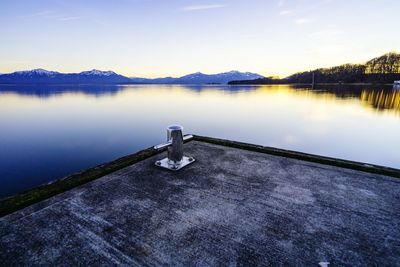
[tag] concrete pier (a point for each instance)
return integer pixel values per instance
(237, 205)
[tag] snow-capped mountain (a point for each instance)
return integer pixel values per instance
(44, 76)
(37, 72)
(98, 73)
(109, 77)
(201, 78)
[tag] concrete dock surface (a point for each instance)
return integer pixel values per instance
(232, 207)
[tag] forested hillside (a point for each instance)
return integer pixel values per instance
(383, 69)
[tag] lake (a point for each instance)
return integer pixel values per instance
(48, 132)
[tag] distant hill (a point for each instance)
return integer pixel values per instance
(52, 77)
(41, 76)
(201, 78)
(264, 80)
(383, 69)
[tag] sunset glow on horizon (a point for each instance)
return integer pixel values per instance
(141, 38)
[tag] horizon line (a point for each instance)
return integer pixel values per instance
(169, 76)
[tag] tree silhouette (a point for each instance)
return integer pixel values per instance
(383, 69)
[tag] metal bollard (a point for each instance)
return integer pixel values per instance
(175, 160)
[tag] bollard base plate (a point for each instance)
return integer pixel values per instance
(174, 167)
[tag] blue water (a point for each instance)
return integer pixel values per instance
(48, 132)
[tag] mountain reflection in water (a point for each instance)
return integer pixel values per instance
(378, 97)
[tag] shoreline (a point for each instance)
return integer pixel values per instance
(194, 84)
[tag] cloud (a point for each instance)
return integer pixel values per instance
(285, 12)
(301, 7)
(202, 7)
(302, 21)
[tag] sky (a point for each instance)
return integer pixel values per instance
(158, 38)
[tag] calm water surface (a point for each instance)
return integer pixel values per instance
(49, 132)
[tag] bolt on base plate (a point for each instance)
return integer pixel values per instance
(174, 167)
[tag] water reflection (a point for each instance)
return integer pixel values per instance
(381, 98)
(46, 91)
(50, 132)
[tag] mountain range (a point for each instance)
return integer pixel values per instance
(52, 77)
(201, 78)
(94, 76)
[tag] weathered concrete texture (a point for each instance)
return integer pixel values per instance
(232, 207)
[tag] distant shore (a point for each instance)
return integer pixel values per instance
(315, 84)
(194, 84)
